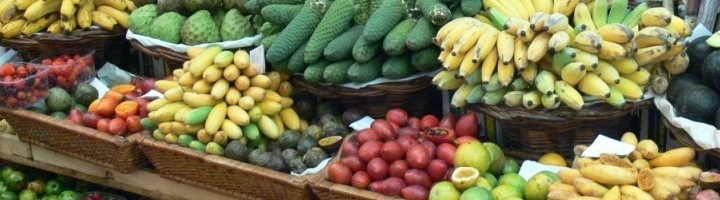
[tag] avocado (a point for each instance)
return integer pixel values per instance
(277, 163)
(305, 144)
(351, 115)
(274, 147)
(39, 107)
(329, 118)
(85, 94)
(314, 157)
(305, 107)
(698, 103)
(254, 155)
(289, 154)
(263, 159)
(59, 115)
(711, 70)
(297, 165)
(334, 129)
(236, 150)
(315, 131)
(289, 139)
(697, 51)
(58, 99)
(79, 107)
(331, 107)
(215, 149)
(679, 84)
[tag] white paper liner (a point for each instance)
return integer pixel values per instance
(705, 135)
(148, 42)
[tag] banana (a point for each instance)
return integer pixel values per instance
(130, 6)
(498, 18)
(513, 24)
(453, 37)
(589, 41)
(84, 14)
(531, 99)
(11, 14)
(651, 54)
(616, 32)
(525, 33)
(641, 77)
(476, 94)
(117, 4)
(607, 73)
(453, 62)
(616, 97)
(659, 84)
(442, 75)
(529, 7)
(443, 55)
(594, 86)
(556, 22)
(630, 89)
(67, 9)
(68, 24)
(474, 78)
(122, 17)
(558, 41)
(678, 64)
(562, 58)
(494, 97)
(545, 82)
(586, 58)
(466, 42)
(520, 55)
(652, 36)
(617, 11)
(672, 32)
(550, 101)
(505, 46)
(451, 83)
(506, 72)
(483, 18)
(494, 83)
(485, 44)
(519, 84)
(41, 8)
(569, 95)
(600, 13)
(675, 49)
(459, 99)
(7, 5)
(612, 51)
(544, 6)
(538, 47)
(467, 66)
(632, 18)
(564, 7)
(448, 28)
(55, 27)
(582, 15)
(681, 26)
(78, 2)
(513, 98)
(657, 16)
(630, 48)
(24, 4)
(579, 28)
(39, 24)
(489, 65)
(103, 20)
(529, 73)
(538, 20)
(517, 7)
(625, 65)
(12, 29)
(572, 73)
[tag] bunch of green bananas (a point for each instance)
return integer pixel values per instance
(562, 51)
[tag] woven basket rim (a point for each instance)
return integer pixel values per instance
(334, 91)
(684, 138)
(160, 52)
(600, 110)
(77, 36)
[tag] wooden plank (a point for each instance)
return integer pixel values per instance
(708, 14)
(50, 157)
(12, 145)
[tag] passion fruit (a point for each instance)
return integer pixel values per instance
(465, 177)
(330, 143)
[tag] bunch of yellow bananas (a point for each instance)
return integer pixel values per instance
(568, 51)
(28, 17)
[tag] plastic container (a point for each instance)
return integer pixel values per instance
(69, 67)
(22, 84)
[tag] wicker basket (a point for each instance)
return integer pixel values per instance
(326, 190)
(118, 153)
(528, 134)
(224, 175)
(109, 46)
(685, 139)
(414, 95)
(171, 58)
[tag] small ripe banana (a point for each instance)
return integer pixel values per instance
(569, 95)
(531, 99)
(453, 37)
(39, 24)
(467, 66)
(572, 73)
(550, 101)
(616, 97)
(482, 17)
(453, 62)
(448, 28)
(612, 51)
(41, 8)
(675, 49)
(525, 33)
(103, 20)
(586, 58)
(539, 47)
(652, 36)
(630, 48)
(556, 22)
(617, 11)
(516, 6)
(68, 24)
(443, 55)
(67, 9)
(562, 58)
(442, 75)
(466, 41)
(650, 55)
(658, 16)
(630, 89)
(600, 13)
(594, 86)
(11, 14)
(505, 46)
(616, 32)
(55, 28)
(24, 4)
(538, 20)
(589, 41)
(564, 7)
(122, 17)
(659, 84)
(84, 14)
(520, 56)
(641, 77)
(582, 16)
(625, 65)
(513, 98)
(12, 29)
(459, 99)
(489, 64)
(117, 4)
(678, 64)
(632, 19)
(544, 6)
(6, 5)
(558, 41)
(607, 73)
(530, 73)
(506, 72)
(529, 7)
(681, 26)
(545, 82)
(513, 24)
(485, 44)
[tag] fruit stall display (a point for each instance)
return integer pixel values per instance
(22, 84)
(561, 52)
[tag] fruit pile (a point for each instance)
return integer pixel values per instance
(561, 52)
(332, 42)
(192, 22)
(22, 84)
(646, 173)
(411, 157)
(67, 70)
(28, 17)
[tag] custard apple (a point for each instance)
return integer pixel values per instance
(142, 19)
(236, 26)
(167, 27)
(197, 5)
(218, 18)
(199, 29)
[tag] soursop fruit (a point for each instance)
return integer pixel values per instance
(142, 19)
(197, 5)
(218, 18)
(167, 27)
(236, 26)
(199, 29)
(164, 6)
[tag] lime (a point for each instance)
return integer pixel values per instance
(497, 157)
(537, 187)
(444, 190)
(472, 154)
(477, 193)
(511, 166)
(491, 179)
(506, 191)
(513, 179)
